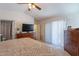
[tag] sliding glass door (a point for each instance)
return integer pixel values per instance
(58, 28)
(48, 33)
(54, 32)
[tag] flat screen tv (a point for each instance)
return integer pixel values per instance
(27, 27)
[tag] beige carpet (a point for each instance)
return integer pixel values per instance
(29, 47)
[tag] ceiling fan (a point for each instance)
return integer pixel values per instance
(31, 5)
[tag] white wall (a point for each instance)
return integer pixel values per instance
(73, 20)
(18, 17)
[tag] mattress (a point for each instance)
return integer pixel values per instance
(29, 47)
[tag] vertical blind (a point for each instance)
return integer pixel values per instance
(54, 32)
(6, 29)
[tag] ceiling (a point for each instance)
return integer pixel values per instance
(48, 9)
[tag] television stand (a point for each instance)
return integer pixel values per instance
(25, 35)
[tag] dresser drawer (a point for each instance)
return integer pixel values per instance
(25, 35)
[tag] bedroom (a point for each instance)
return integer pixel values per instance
(48, 24)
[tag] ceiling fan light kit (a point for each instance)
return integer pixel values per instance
(31, 5)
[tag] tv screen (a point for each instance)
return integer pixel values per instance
(27, 27)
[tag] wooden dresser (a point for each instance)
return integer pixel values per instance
(71, 42)
(25, 35)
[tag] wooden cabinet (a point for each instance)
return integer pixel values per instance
(25, 35)
(71, 42)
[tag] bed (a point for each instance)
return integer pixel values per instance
(29, 47)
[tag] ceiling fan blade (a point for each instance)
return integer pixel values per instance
(36, 6)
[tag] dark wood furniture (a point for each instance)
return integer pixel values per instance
(25, 35)
(71, 42)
